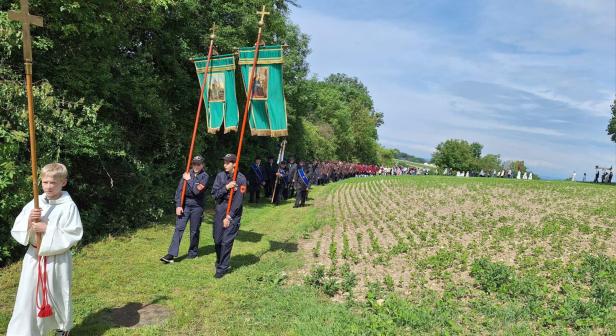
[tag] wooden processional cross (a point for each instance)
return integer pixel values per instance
(28, 19)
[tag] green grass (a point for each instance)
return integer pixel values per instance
(254, 299)
(271, 291)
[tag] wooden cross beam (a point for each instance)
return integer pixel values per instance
(263, 13)
(213, 30)
(26, 19)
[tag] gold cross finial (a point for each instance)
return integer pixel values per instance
(263, 13)
(213, 30)
(26, 19)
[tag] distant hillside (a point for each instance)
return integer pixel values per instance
(408, 157)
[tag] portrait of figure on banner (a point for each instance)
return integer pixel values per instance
(261, 80)
(216, 91)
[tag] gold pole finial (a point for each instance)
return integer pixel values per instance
(213, 30)
(263, 13)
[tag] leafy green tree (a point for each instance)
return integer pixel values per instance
(343, 103)
(387, 156)
(455, 154)
(490, 163)
(611, 127)
(65, 129)
(476, 148)
(515, 165)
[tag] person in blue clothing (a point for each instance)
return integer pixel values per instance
(196, 182)
(282, 180)
(302, 184)
(256, 180)
(226, 227)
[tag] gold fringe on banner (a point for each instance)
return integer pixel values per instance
(279, 133)
(230, 129)
(260, 132)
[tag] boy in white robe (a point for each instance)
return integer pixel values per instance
(59, 223)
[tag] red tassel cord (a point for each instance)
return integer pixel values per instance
(44, 309)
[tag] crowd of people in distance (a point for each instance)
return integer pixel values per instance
(503, 173)
(605, 176)
(602, 175)
(400, 170)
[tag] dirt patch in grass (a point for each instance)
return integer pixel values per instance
(135, 315)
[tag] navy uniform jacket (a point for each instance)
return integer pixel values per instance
(284, 179)
(270, 171)
(221, 195)
(299, 183)
(254, 178)
(193, 195)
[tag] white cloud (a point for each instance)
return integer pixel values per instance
(562, 78)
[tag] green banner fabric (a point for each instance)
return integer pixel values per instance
(268, 113)
(220, 97)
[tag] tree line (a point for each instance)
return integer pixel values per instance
(460, 155)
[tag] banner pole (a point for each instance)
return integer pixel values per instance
(197, 117)
(251, 80)
(283, 147)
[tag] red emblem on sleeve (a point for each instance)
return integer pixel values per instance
(243, 189)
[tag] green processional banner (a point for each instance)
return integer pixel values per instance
(220, 99)
(268, 114)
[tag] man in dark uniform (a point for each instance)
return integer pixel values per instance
(282, 176)
(292, 170)
(196, 181)
(256, 179)
(227, 226)
(302, 183)
(315, 173)
(271, 168)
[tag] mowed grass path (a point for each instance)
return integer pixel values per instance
(266, 295)
(252, 300)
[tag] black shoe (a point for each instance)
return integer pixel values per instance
(168, 259)
(192, 256)
(219, 275)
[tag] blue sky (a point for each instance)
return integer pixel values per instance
(530, 80)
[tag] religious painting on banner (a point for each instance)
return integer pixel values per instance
(216, 91)
(260, 85)
(268, 112)
(220, 97)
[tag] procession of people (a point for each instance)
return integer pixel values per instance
(49, 225)
(603, 175)
(276, 181)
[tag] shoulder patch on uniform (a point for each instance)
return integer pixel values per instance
(243, 188)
